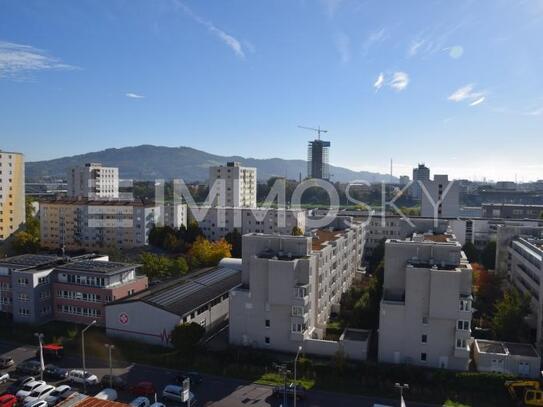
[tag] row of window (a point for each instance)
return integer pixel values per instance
(73, 310)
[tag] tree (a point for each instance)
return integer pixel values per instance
(471, 252)
(488, 290)
(235, 240)
(508, 322)
(155, 266)
(25, 242)
(488, 256)
(179, 266)
(296, 231)
(377, 256)
(205, 253)
(186, 336)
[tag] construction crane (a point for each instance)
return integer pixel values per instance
(317, 130)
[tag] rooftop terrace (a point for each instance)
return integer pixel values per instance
(104, 267)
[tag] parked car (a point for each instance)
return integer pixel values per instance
(4, 377)
(173, 392)
(32, 367)
(194, 377)
(29, 388)
(15, 387)
(146, 389)
(78, 376)
(56, 372)
(107, 394)
(39, 403)
(6, 362)
(39, 394)
(8, 400)
(115, 382)
(140, 402)
(280, 391)
(59, 394)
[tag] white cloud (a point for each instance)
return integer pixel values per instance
(399, 81)
(134, 95)
(414, 47)
(467, 93)
(233, 43)
(379, 82)
(343, 46)
(456, 52)
(374, 38)
(18, 59)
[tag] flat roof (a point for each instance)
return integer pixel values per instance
(97, 266)
(491, 346)
(521, 349)
(97, 202)
(322, 236)
(507, 348)
(361, 335)
(82, 400)
(188, 293)
(29, 260)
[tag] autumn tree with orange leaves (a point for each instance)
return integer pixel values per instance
(205, 253)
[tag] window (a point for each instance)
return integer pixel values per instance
(423, 357)
(460, 343)
(424, 338)
(23, 297)
(267, 340)
(463, 325)
(24, 312)
(425, 320)
(297, 311)
(267, 323)
(465, 305)
(22, 281)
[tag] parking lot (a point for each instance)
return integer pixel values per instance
(213, 391)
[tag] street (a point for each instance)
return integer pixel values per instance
(213, 391)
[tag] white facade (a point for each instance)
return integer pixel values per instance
(290, 284)
(93, 181)
(440, 198)
(239, 185)
(12, 193)
(217, 222)
(425, 316)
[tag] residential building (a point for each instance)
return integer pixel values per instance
(512, 211)
(92, 224)
(404, 180)
(513, 359)
(440, 198)
(12, 193)
(427, 298)
(317, 159)
(217, 222)
(422, 174)
(93, 181)
(291, 284)
(39, 288)
(83, 288)
(151, 315)
(239, 185)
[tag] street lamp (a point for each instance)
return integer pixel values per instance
(83, 355)
(110, 348)
(282, 369)
(40, 341)
(295, 363)
(402, 387)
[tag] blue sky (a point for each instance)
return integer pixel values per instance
(455, 84)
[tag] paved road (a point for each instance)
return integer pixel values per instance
(214, 391)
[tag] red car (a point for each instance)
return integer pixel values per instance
(144, 389)
(8, 400)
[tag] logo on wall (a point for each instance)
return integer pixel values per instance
(123, 318)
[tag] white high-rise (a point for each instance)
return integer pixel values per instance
(440, 198)
(12, 193)
(239, 185)
(93, 181)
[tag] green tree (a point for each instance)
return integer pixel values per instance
(508, 322)
(155, 266)
(205, 253)
(179, 267)
(376, 257)
(296, 231)
(186, 336)
(488, 256)
(235, 240)
(24, 242)
(471, 252)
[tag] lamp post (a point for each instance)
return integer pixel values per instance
(295, 363)
(83, 355)
(402, 387)
(110, 348)
(282, 369)
(40, 341)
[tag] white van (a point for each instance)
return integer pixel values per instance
(78, 376)
(173, 392)
(107, 394)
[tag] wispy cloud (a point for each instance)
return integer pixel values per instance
(379, 82)
(399, 81)
(331, 6)
(134, 95)
(468, 94)
(414, 47)
(535, 112)
(343, 46)
(374, 38)
(18, 60)
(233, 43)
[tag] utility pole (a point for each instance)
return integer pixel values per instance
(295, 363)
(83, 355)
(42, 365)
(110, 348)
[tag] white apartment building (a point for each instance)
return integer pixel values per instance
(217, 222)
(12, 193)
(425, 316)
(291, 284)
(239, 185)
(440, 198)
(91, 225)
(519, 254)
(93, 181)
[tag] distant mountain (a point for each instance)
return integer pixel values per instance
(147, 162)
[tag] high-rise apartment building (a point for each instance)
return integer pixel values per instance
(440, 198)
(93, 181)
(317, 159)
(239, 185)
(426, 309)
(12, 193)
(421, 173)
